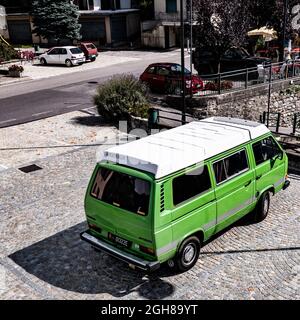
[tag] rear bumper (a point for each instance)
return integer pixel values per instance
(91, 56)
(149, 266)
(78, 61)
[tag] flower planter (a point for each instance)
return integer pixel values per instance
(14, 74)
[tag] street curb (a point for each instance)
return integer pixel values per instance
(7, 83)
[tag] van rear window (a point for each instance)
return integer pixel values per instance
(122, 190)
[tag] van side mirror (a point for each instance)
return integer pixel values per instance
(278, 156)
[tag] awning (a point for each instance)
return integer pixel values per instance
(269, 34)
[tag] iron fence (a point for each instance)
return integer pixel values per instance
(296, 124)
(212, 84)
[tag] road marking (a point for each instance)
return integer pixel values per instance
(2, 167)
(74, 105)
(40, 113)
(10, 120)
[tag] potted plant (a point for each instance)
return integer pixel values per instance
(15, 71)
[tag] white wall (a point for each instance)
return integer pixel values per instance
(97, 4)
(160, 5)
(155, 39)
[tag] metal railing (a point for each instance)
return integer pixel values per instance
(271, 119)
(236, 80)
(166, 118)
(169, 17)
(296, 124)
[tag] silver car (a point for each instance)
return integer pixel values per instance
(68, 56)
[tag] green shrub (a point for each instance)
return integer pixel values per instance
(214, 86)
(7, 52)
(122, 96)
(293, 89)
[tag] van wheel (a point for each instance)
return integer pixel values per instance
(262, 207)
(188, 254)
(69, 63)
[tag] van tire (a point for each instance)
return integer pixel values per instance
(188, 254)
(262, 207)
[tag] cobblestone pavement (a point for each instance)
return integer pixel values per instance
(42, 257)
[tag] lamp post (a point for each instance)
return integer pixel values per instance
(182, 65)
(191, 44)
(284, 24)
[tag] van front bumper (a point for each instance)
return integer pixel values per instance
(149, 266)
(286, 184)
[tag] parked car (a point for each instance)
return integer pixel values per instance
(234, 58)
(160, 198)
(90, 50)
(69, 56)
(166, 78)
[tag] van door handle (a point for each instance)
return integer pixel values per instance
(248, 183)
(258, 177)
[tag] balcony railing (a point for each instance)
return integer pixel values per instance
(169, 17)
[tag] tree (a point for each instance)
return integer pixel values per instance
(146, 8)
(271, 13)
(7, 52)
(56, 20)
(122, 96)
(221, 24)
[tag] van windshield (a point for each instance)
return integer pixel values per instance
(122, 190)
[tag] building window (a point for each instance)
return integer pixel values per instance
(106, 5)
(91, 4)
(171, 6)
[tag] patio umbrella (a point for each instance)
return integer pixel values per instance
(266, 33)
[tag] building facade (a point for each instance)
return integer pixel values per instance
(163, 30)
(104, 22)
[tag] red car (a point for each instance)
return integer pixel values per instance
(166, 78)
(90, 50)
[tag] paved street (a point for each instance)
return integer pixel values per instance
(41, 214)
(68, 89)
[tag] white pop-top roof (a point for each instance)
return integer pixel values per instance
(169, 151)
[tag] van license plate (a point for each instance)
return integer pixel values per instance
(121, 241)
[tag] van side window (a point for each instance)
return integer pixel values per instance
(230, 166)
(191, 184)
(265, 150)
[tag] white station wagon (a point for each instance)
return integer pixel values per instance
(69, 56)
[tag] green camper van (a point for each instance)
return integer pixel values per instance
(160, 198)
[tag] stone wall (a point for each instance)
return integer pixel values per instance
(247, 104)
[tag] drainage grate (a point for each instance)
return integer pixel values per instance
(31, 168)
(93, 82)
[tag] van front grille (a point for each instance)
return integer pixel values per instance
(162, 198)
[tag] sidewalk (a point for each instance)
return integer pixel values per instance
(30, 142)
